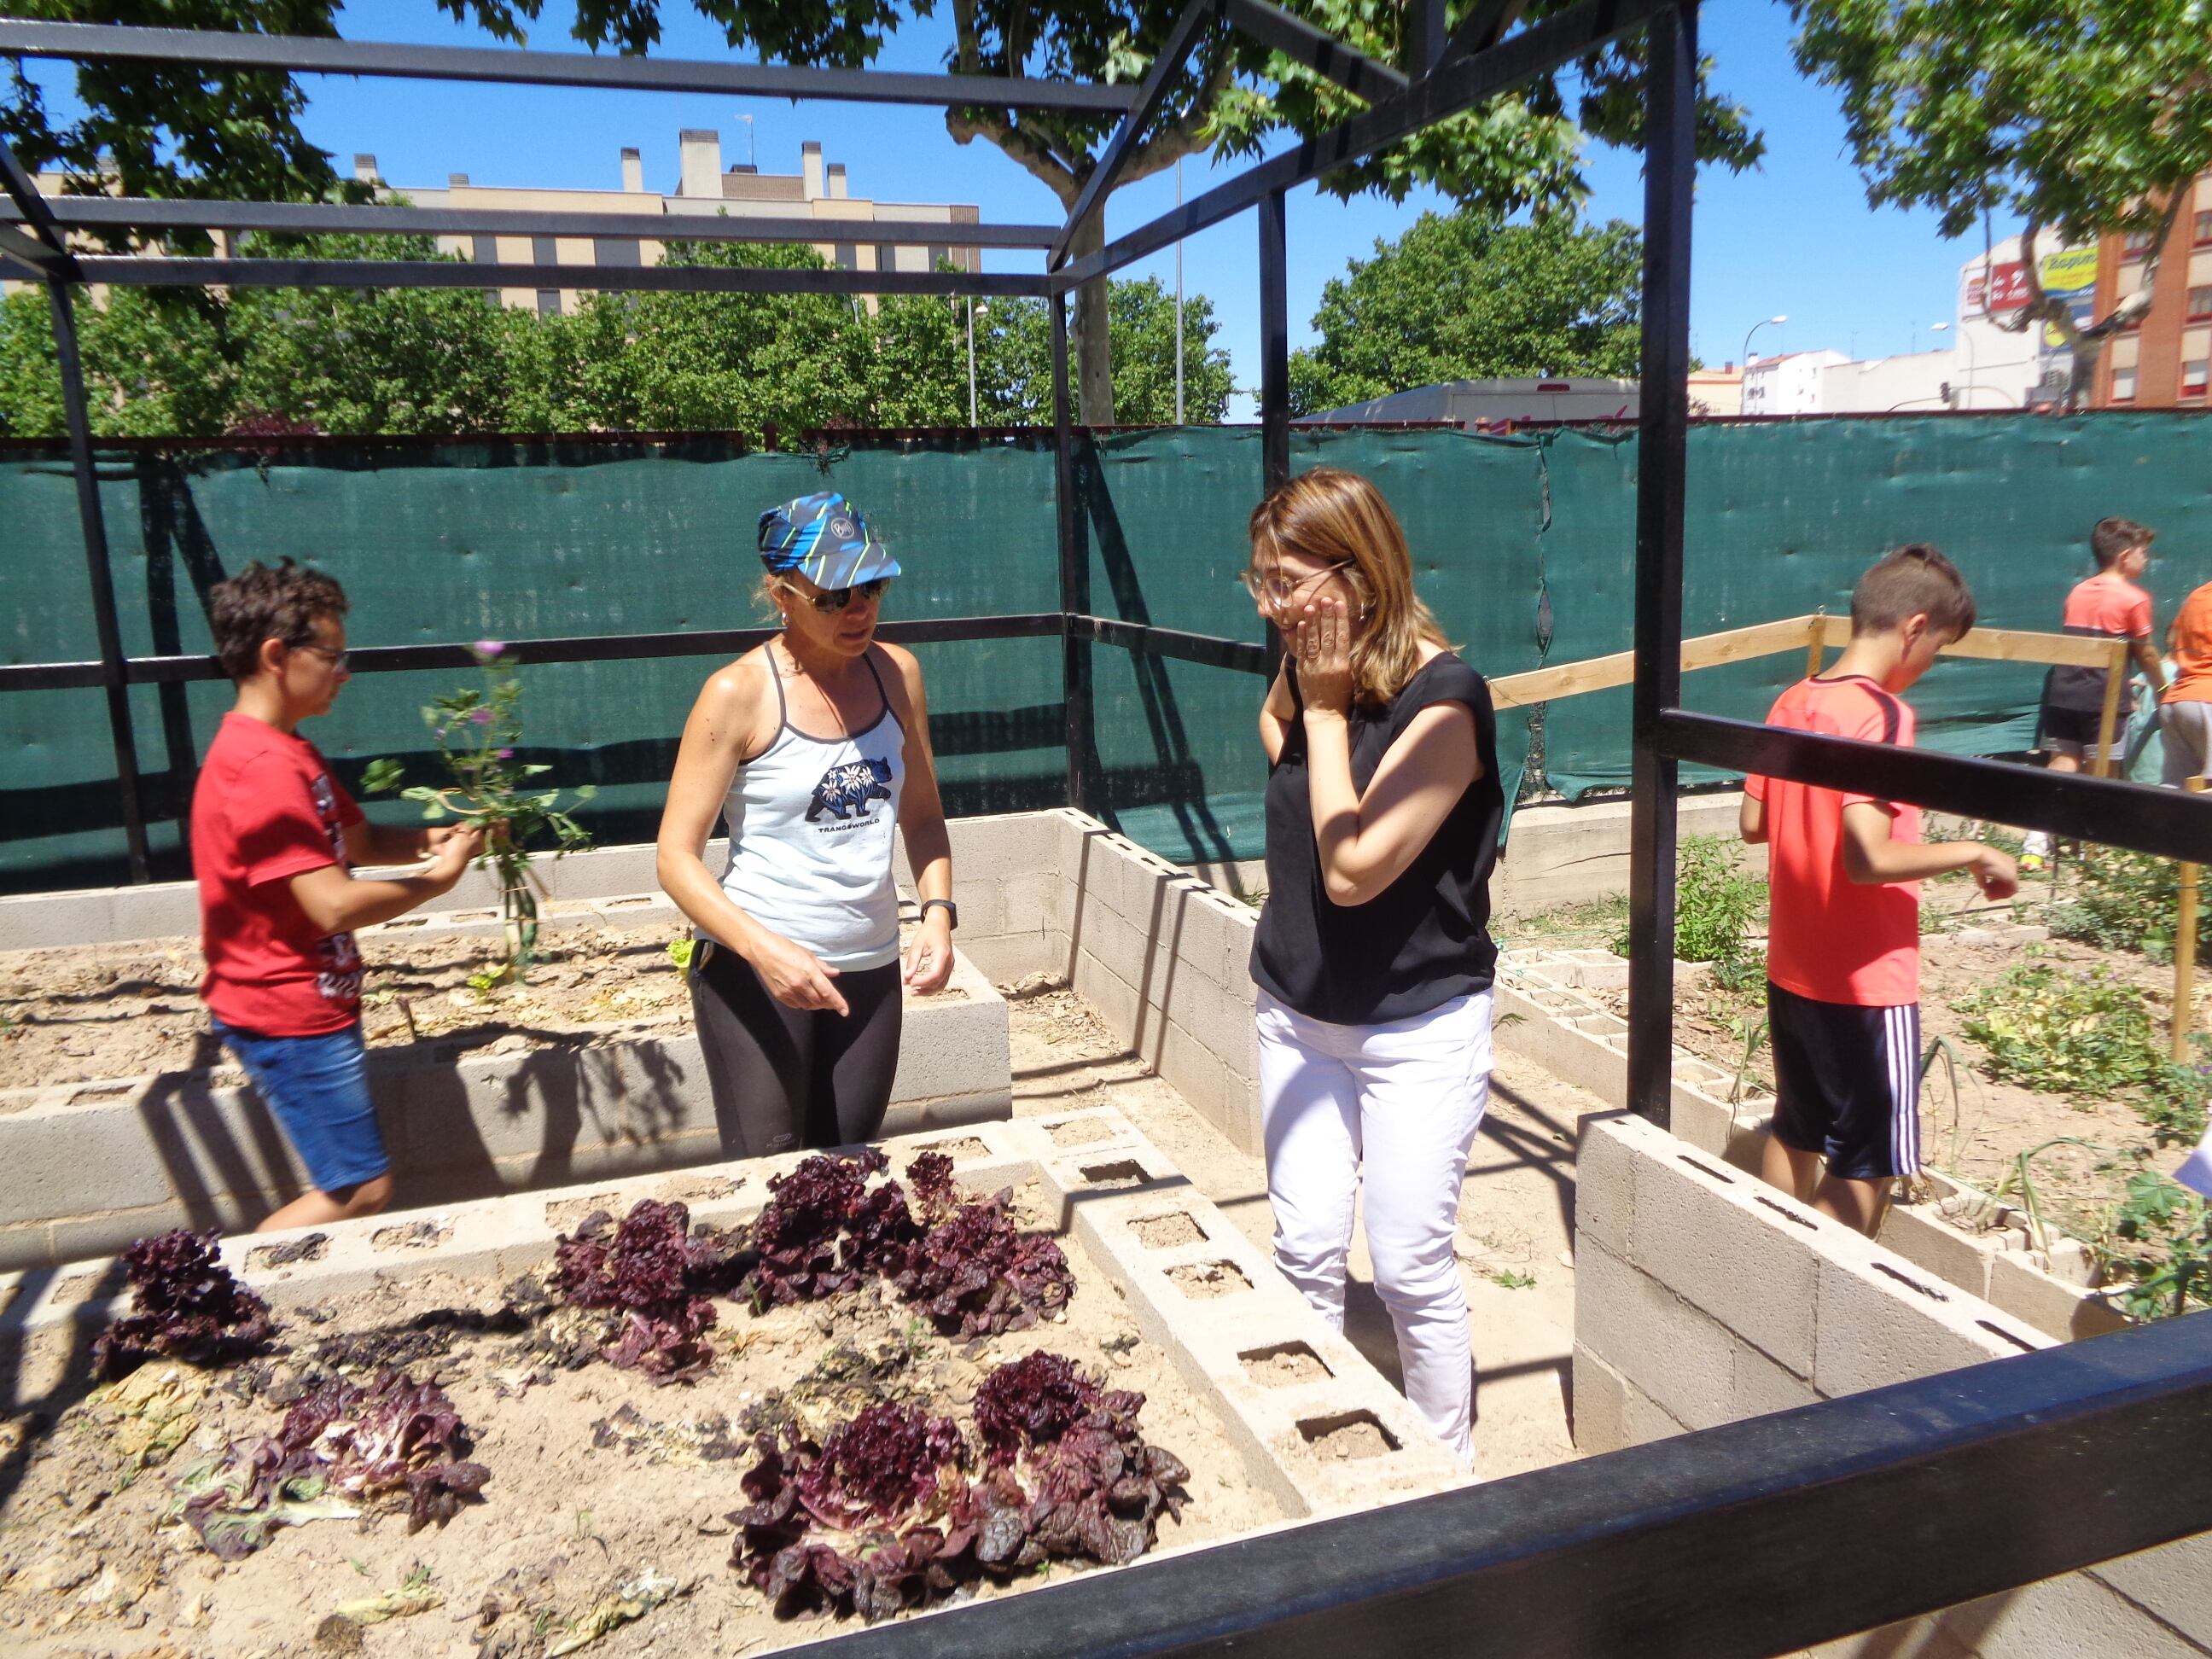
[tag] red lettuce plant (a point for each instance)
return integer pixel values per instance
(801, 1233)
(881, 1516)
(976, 1274)
(343, 1445)
(186, 1305)
(657, 1276)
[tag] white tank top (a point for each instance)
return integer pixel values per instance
(810, 823)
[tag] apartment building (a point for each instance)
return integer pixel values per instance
(2165, 360)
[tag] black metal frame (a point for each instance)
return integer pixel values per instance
(1672, 1548)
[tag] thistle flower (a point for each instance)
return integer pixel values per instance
(505, 754)
(481, 716)
(488, 647)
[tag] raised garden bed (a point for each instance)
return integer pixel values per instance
(606, 1500)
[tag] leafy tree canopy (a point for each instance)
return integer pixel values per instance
(1464, 297)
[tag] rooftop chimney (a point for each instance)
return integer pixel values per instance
(457, 182)
(809, 167)
(701, 149)
(836, 181)
(632, 169)
(364, 168)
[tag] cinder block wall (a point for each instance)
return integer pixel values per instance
(1703, 1297)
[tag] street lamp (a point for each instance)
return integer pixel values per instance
(1754, 329)
(972, 309)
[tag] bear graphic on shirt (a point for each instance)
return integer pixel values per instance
(846, 789)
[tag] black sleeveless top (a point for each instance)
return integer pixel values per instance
(1423, 939)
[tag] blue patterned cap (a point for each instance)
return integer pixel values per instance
(823, 538)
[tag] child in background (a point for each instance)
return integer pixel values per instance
(2107, 605)
(2185, 717)
(274, 839)
(1842, 992)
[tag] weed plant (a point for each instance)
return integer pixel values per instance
(1715, 906)
(2160, 1241)
(2084, 1035)
(2123, 901)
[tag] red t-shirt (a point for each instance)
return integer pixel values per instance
(266, 809)
(2109, 604)
(1828, 938)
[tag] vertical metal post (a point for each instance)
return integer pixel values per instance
(1074, 572)
(1178, 299)
(109, 631)
(1662, 434)
(2184, 950)
(1426, 35)
(1274, 342)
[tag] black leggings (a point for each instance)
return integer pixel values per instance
(795, 1077)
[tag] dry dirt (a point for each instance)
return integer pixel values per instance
(119, 1011)
(597, 1478)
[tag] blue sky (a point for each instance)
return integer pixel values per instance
(1793, 236)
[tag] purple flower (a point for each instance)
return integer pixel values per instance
(505, 754)
(488, 647)
(481, 716)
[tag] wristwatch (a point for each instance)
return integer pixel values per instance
(952, 910)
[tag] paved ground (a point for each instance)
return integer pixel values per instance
(1515, 1217)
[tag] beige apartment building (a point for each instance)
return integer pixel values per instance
(817, 190)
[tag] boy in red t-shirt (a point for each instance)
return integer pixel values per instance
(1843, 953)
(274, 840)
(2109, 606)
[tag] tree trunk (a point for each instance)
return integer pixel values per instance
(1091, 341)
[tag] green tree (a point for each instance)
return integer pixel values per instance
(1463, 297)
(232, 133)
(155, 363)
(2080, 116)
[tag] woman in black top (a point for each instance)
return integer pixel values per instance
(1373, 956)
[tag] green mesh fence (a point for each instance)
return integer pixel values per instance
(1524, 546)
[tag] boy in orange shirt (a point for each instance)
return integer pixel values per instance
(2107, 605)
(1843, 954)
(2185, 718)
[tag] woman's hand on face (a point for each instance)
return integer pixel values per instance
(796, 977)
(929, 959)
(1322, 642)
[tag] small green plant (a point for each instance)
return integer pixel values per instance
(2174, 1109)
(2084, 1035)
(2123, 900)
(680, 952)
(2161, 1240)
(1511, 1280)
(478, 732)
(1715, 905)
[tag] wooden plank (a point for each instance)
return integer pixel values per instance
(2185, 954)
(2108, 722)
(1815, 646)
(2022, 645)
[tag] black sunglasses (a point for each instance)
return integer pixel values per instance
(830, 600)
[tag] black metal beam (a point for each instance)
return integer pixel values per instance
(95, 43)
(2165, 823)
(1662, 490)
(32, 252)
(1485, 21)
(1207, 648)
(1428, 36)
(19, 189)
(101, 574)
(1274, 341)
(1316, 50)
(1455, 85)
(139, 270)
(342, 218)
(1151, 93)
(1869, 1509)
(1075, 568)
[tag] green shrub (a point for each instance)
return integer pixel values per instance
(2175, 1109)
(2078, 1034)
(1715, 903)
(2123, 900)
(2160, 1241)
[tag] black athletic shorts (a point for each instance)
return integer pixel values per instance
(1847, 1083)
(2070, 731)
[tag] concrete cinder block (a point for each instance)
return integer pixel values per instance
(1704, 1233)
(2052, 1306)
(1760, 1387)
(1112, 997)
(1648, 1420)
(1198, 933)
(2173, 1582)
(1679, 1357)
(1600, 1405)
(1880, 1320)
(2075, 1616)
(1918, 1234)
(1701, 1122)
(1605, 1186)
(1195, 1072)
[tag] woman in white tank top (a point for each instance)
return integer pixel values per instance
(811, 749)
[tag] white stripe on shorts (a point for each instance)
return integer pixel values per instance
(1902, 1040)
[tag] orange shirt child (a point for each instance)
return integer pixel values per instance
(2192, 649)
(1828, 938)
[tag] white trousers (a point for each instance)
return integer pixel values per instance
(1394, 1107)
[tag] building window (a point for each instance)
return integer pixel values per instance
(848, 257)
(940, 256)
(2200, 305)
(617, 251)
(2194, 377)
(487, 250)
(544, 251)
(549, 302)
(2124, 385)
(2135, 243)
(2204, 231)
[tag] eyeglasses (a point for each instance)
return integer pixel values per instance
(1279, 591)
(830, 600)
(335, 659)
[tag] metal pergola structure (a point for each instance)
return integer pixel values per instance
(1691, 1546)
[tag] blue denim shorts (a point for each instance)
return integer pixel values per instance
(319, 1089)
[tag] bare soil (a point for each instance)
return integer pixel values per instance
(121, 1010)
(598, 1480)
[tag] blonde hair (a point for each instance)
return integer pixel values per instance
(1334, 517)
